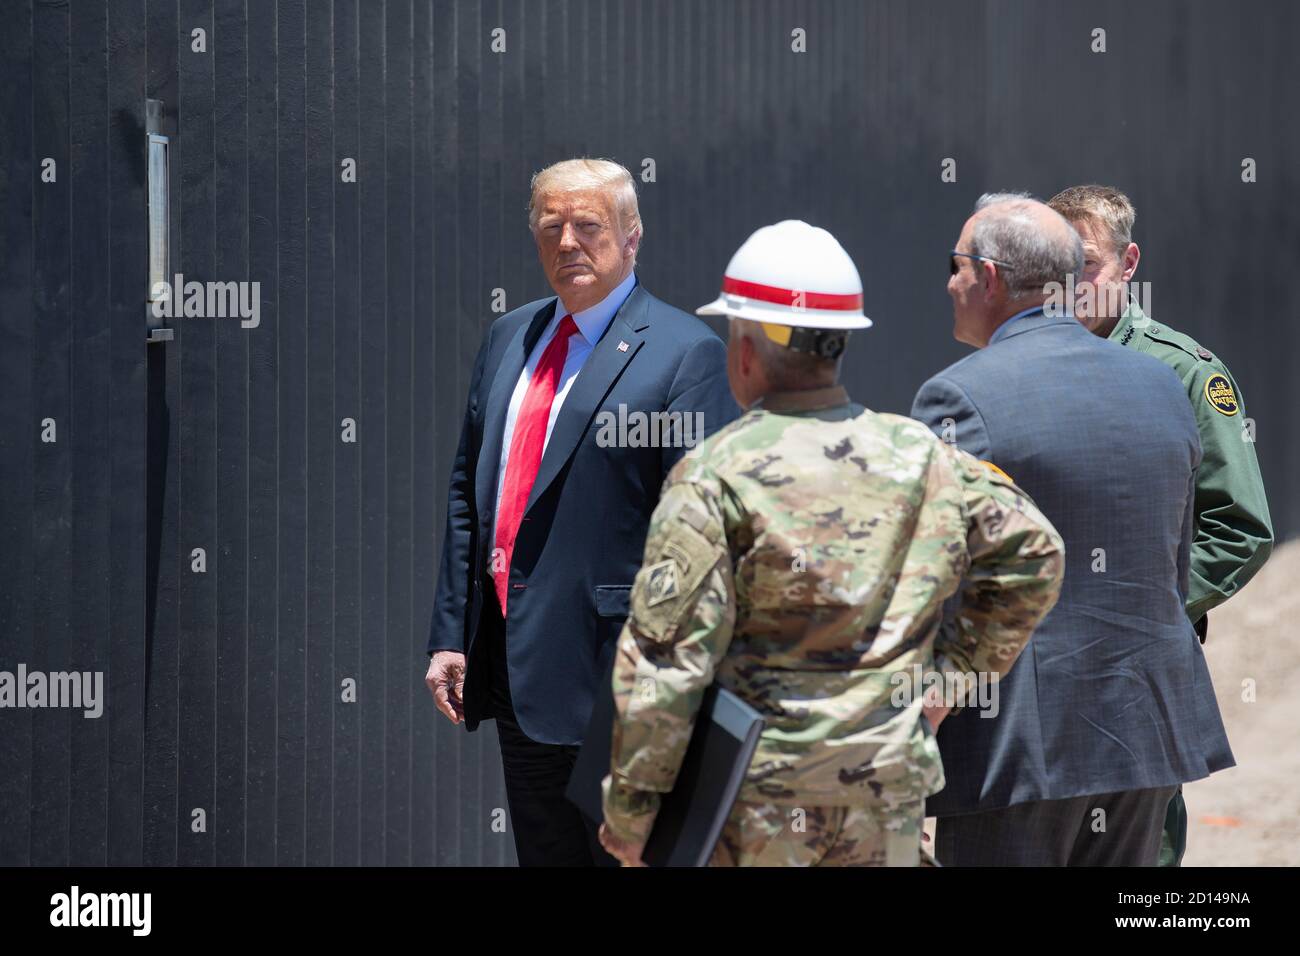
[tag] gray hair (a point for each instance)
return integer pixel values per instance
(1013, 234)
(787, 369)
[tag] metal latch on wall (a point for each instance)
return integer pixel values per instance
(157, 144)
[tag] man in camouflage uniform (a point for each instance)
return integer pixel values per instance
(801, 557)
(1234, 535)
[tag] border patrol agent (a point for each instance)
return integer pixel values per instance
(1234, 534)
(801, 557)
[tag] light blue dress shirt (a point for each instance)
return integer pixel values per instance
(591, 324)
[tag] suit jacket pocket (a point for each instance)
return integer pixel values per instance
(613, 600)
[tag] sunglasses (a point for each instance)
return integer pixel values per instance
(953, 267)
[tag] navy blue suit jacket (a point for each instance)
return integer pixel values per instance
(582, 538)
(1112, 693)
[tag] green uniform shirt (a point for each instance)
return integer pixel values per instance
(1234, 535)
(801, 559)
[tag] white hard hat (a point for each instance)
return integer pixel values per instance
(792, 274)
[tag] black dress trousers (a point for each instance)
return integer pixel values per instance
(1106, 829)
(548, 829)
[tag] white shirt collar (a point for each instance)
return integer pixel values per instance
(593, 322)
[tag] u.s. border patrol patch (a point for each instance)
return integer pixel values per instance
(1219, 393)
(661, 582)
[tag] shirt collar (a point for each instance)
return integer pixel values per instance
(1001, 330)
(805, 400)
(1131, 315)
(593, 322)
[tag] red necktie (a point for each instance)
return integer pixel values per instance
(526, 446)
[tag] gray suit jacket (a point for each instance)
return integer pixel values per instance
(1112, 692)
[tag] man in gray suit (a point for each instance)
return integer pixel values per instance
(1110, 707)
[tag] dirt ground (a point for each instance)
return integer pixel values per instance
(1250, 815)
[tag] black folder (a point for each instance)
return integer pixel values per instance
(691, 817)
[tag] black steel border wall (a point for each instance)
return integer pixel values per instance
(225, 737)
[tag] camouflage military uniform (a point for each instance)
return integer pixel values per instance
(801, 558)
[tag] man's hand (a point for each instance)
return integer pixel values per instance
(629, 854)
(935, 715)
(933, 707)
(446, 681)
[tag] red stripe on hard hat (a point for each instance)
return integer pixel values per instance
(811, 300)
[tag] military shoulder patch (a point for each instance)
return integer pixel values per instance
(693, 517)
(1219, 393)
(678, 554)
(661, 582)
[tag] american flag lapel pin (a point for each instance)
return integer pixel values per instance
(622, 346)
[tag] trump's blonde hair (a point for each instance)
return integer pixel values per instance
(582, 175)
